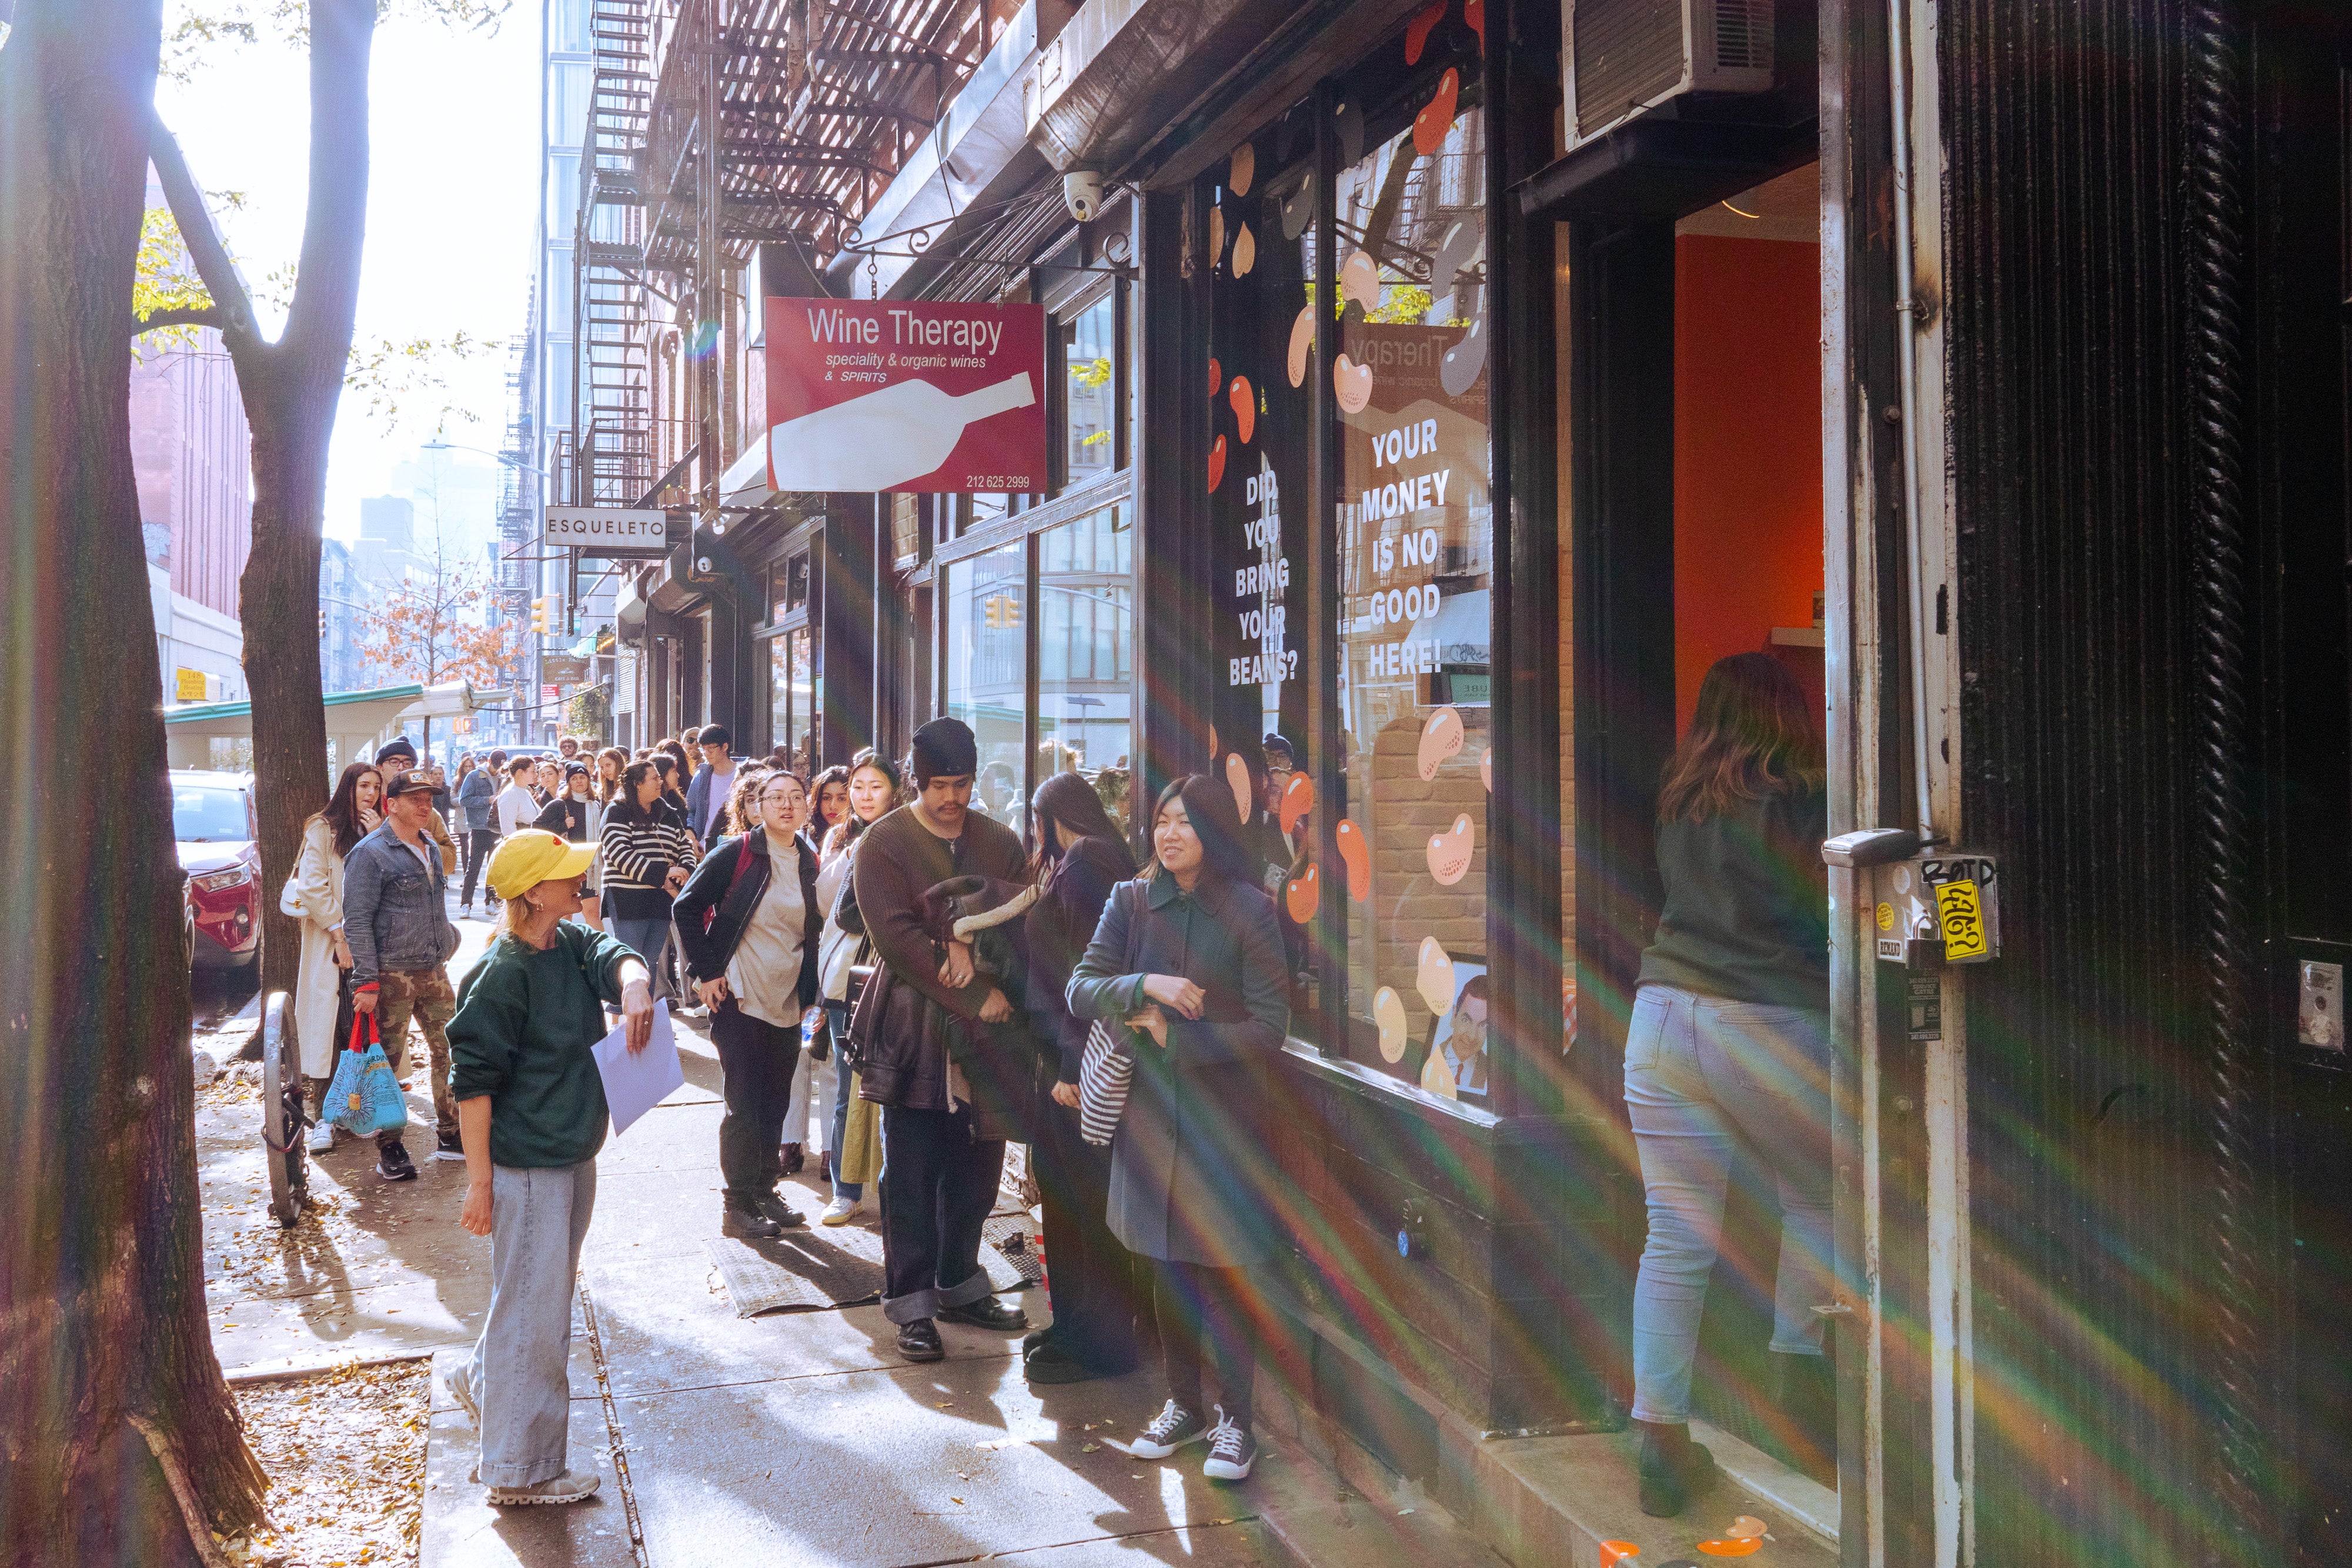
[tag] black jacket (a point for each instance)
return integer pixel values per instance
(707, 893)
(1060, 925)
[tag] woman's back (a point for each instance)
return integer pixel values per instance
(1746, 911)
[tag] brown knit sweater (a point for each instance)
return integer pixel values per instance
(907, 1034)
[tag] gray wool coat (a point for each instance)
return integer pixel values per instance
(1193, 1178)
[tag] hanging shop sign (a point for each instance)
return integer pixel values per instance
(906, 396)
(613, 531)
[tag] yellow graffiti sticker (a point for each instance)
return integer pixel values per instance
(1959, 910)
(1886, 917)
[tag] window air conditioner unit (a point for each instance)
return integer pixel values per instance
(1622, 57)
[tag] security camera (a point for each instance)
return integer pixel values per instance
(1082, 193)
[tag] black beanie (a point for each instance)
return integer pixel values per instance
(399, 747)
(943, 749)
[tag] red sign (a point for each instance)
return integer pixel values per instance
(913, 395)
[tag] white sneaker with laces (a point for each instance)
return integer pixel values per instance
(1233, 1452)
(322, 1138)
(461, 1389)
(571, 1486)
(1171, 1429)
(838, 1211)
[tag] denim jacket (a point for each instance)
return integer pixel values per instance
(395, 915)
(475, 797)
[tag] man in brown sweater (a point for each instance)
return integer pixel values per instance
(940, 1175)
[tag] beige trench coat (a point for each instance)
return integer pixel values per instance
(315, 897)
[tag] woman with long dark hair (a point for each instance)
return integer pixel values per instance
(1189, 958)
(314, 895)
(1730, 1044)
(645, 855)
(872, 788)
(1080, 857)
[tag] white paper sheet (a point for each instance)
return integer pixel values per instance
(635, 1084)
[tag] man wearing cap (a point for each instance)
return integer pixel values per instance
(396, 919)
(401, 752)
(940, 1180)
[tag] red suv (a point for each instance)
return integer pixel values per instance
(212, 815)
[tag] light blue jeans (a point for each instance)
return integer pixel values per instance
(519, 1372)
(645, 939)
(1700, 1073)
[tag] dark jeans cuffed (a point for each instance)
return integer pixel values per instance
(756, 1060)
(1090, 1274)
(937, 1188)
(477, 843)
(1203, 1311)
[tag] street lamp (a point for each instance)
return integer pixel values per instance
(437, 445)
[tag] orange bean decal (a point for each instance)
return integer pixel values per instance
(1351, 384)
(1429, 127)
(1217, 463)
(1302, 343)
(1237, 779)
(1298, 800)
(1304, 896)
(1612, 1552)
(1730, 1548)
(1474, 12)
(1388, 1013)
(1216, 376)
(1357, 856)
(1449, 852)
(1441, 737)
(1245, 401)
(1417, 31)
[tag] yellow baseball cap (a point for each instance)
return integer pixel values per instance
(525, 859)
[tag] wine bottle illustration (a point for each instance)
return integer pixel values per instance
(886, 437)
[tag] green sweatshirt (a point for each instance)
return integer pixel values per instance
(526, 1019)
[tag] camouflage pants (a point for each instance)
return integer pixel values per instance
(427, 997)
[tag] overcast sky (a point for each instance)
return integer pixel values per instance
(452, 191)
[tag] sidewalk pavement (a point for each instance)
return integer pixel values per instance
(798, 1439)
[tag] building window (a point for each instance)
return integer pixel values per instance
(792, 696)
(1092, 390)
(1086, 643)
(986, 672)
(788, 586)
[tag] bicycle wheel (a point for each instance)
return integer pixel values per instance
(282, 1121)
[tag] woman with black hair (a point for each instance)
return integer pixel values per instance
(644, 856)
(314, 895)
(1189, 958)
(1729, 1044)
(872, 788)
(1080, 858)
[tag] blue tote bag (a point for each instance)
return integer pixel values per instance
(363, 1097)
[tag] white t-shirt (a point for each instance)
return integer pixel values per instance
(517, 808)
(765, 972)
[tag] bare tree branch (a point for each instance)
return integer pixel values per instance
(196, 220)
(334, 227)
(183, 316)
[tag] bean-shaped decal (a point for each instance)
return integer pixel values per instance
(1244, 252)
(1302, 343)
(1298, 800)
(1730, 1548)
(1237, 779)
(1360, 280)
(1244, 170)
(1217, 220)
(1388, 1012)
(1612, 1552)
(1430, 126)
(1747, 1527)
(1474, 12)
(1441, 737)
(1351, 384)
(1216, 376)
(1487, 770)
(1449, 852)
(1357, 856)
(1437, 1077)
(1245, 401)
(1417, 31)
(1217, 463)
(1433, 976)
(1304, 896)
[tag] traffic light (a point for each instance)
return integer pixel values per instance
(538, 617)
(1002, 612)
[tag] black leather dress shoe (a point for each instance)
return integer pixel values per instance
(920, 1340)
(747, 1222)
(988, 1313)
(773, 1206)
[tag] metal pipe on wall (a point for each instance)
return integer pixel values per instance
(1907, 309)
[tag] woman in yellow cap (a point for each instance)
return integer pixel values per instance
(530, 1104)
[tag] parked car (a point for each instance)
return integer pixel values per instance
(212, 817)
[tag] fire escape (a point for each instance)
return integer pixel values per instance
(614, 453)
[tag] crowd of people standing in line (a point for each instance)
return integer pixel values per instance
(868, 941)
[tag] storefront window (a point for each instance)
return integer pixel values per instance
(788, 586)
(986, 675)
(1091, 390)
(792, 694)
(1085, 641)
(1415, 580)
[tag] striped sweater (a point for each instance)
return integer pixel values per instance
(638, 857)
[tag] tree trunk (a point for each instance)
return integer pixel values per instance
(290, 391)
(108, 1381)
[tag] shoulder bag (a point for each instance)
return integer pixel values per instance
(1106, 1072)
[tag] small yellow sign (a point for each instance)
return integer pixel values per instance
(1960, 912)
(1886, 917)
(190, 684)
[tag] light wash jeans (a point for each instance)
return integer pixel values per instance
(645, 939)
(1699, 1073)
(519, 1372)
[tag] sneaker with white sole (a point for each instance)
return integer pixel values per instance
(461, 1389)
(838, 1211)
(1171, 1429)
(571, 1486)
(1233, 1452)
(322, 1138)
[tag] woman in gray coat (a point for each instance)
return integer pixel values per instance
(1189, 958)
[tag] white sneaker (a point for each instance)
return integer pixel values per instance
(838, 1211)
(322, 1138)
(570, 1487)
(461, 1389)
(1233, 1452)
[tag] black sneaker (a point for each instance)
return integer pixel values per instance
(920, 1340)
(1171, 1429)
(393, 1164)
(1051, 1363)
(450, 1146)
(988, 1313)
(773, 1206)
(742, 1219)
(1233, 1452)
(1673, 1468)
